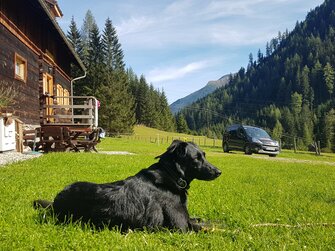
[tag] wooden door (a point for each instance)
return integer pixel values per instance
(48, 90)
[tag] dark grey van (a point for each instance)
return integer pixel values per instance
(249, 139)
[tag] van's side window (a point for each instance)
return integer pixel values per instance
(240, 133)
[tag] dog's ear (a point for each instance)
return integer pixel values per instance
(178, 147)
(181, 149)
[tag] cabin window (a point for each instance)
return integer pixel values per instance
(20, 68)
(66, 97)
(60, 93)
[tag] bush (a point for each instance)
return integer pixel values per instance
(7, 95)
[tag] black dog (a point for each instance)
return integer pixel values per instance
(155, 197)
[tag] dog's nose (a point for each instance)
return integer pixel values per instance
(218, 172)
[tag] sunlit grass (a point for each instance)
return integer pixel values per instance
(250, 191)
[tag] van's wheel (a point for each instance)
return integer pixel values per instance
(247, 150)
(225, 148)
(272, 155)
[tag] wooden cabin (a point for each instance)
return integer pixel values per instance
(35, 64)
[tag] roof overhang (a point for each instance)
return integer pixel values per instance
(61, 33)
(54, 8)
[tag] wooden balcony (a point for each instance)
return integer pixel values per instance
(67, 124)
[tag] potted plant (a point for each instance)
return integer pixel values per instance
(7, 98)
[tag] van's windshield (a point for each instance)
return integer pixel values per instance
(255, 132)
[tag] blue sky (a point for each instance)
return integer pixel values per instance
(180, 45)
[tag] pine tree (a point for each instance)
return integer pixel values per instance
(88, 24)
(305, 86)
(116, 104)
(329, 76)
(141, 93)
(73, 35)
(259, 56)
(317, 81)
(112, 47)
(288, 125)
(118, 52)
(150, 114)
(296, 103)
(181, 124)
(96, 70)
(277, 131)
(251, 61)
(108, 37)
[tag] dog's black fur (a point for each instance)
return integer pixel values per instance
(155, 197)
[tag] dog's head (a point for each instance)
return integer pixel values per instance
(190, 161)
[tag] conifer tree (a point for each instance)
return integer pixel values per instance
(88, 24)
(329, 76)
(141, 94)
(108, 40)
(166, 118)
(317, 81)
(74, 37)
(117, 105)
(277, 131)
(181, 124)
(95, 58)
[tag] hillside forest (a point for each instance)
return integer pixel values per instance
(289, 90)
(125, 99)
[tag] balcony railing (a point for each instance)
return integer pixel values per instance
(70, 111)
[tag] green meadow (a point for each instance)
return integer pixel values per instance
(258, 203)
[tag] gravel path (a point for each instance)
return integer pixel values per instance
(10, 157)
(289, 160)
(115, 153)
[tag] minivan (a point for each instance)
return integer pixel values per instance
(249, 139)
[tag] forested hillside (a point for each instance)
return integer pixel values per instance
(289, 90)
(125, 99)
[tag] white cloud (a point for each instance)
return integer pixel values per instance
(173, 73)
(236, 35)
(194, 22)
(134, 25)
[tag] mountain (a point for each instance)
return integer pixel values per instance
(208, 89)
(289, 91)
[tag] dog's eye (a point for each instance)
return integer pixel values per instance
(199, 156)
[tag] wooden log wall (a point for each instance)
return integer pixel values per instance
(24, 30)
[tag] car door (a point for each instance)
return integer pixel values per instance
(240, 139)
(233, 139)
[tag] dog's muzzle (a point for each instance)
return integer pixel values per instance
(212, 172)
(216, 172)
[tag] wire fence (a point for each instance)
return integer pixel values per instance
(286, 142)
(201, 141)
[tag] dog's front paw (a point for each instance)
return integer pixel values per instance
(195, 227)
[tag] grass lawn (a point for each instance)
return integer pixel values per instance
(296, 192)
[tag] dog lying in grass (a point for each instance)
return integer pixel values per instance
(154, 198)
